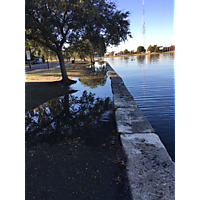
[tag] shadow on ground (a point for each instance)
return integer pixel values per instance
(37, 93)
(73, 151)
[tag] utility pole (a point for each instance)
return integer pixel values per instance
(143, 26)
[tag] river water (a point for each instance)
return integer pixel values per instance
(151, 81)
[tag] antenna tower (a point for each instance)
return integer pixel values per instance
(143, 26)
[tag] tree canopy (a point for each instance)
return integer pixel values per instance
(53, 23)
(140, 49)
(126, 51)
(150, 48)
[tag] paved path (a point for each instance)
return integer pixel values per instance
(37, 69)
(41, 66)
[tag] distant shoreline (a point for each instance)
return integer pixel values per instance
(138, 54)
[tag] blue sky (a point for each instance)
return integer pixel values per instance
(159, 22)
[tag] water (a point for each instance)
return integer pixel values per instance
(151, 81)
(72, 149)
(96, 82)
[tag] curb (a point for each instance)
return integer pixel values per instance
(151, 172)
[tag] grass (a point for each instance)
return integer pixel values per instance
(54, 74)
(46, 75)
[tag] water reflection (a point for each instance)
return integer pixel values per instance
(144, 83)
(141, 59)
(172, 56)
(73, 150)
(97, 76)
(70, 117)
(126, 58)
(153, 58)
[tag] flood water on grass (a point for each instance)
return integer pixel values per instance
(72, 147)
(151, 81)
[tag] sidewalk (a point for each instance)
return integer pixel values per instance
(41, 66)
(37, 70)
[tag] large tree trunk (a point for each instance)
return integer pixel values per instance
(91, 58)
(62, 67)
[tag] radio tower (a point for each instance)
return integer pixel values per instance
(143, 26)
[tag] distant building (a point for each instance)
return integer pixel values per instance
(160, 48)
(147, 51)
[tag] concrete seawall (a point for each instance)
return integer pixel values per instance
(151, 172)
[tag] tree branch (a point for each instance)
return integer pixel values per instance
(64, 37)
(46, 43)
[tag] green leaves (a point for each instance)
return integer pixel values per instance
(140, 49)
(52, 22)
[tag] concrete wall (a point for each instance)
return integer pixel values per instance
(151, 172)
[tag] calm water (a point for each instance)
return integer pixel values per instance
(151, 81)
(96, 82)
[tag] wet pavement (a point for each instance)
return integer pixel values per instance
(72, 149)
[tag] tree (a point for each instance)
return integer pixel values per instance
(50, 22)
(140, 49)
(84, 48)
(72, 52)
(87, 47)
(157, 49)
(96, 45)
(78, 49)
(172, 47)
(126, 51)
(53, 23)
(112, 53)
(150, 48)
(66, 54)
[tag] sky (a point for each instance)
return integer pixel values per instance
(159, 23)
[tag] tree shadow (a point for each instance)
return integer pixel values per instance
(36, 93)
